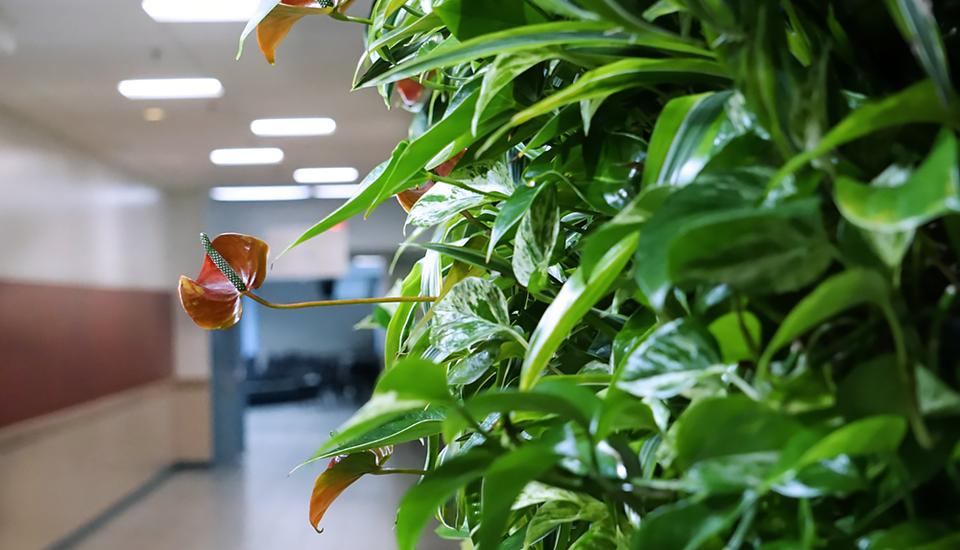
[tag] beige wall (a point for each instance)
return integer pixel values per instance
(70, 219)
(60, 471)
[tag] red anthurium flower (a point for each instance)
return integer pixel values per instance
(213, 301)
(275, 26)
(341, 473)
(410, 197)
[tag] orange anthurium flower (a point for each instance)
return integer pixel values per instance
(275, 26)
(410, 91)
(410, 197)
(341, 473)
(213, 301)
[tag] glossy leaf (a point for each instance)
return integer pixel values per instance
(504, 69)
(916, 104)
(409, 426)
(917, 24)
(748, 427)
(576, 297)
(511, 211)
(738, 336)
(536, 238)
(672, 359)
(561, 33)
(472, 257)
(870, 435)
(419, 504)
(836, 294)
(932, 191)
(466, 19)
(688, 132)
(473, 311)
(444, 200)
(684, 525)
(503, 482)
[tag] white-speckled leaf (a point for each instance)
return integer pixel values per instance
(443, 201)
(537, 236)
(472, 311)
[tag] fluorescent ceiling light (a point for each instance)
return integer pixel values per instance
(192, 11)
(336, 191)
(171, 88)
(326, 175)
(293, 126)
(258, 155)
(261, 193)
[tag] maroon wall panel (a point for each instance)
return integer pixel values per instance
(62, 346)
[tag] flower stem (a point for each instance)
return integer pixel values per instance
(323, 303)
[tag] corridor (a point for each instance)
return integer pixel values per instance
(256, 506)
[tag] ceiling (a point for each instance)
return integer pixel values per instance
(70, 55)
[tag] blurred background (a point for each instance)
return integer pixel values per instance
(122, 424)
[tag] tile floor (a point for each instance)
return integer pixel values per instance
(256, 506)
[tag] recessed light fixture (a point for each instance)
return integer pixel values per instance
(154, 114)
(171, 88)
(261, 193)
(335, 191)
(194, 11)
(257, 155)
(293, 126)
(336, 174)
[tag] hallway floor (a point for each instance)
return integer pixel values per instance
(256, 506)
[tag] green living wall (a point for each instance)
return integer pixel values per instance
(688, 278)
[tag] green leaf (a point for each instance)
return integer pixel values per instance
(871, 435)
(722, 426)
(616, 77)
(473, 311)
(421, 501)
(574, 300)
(715, 196)
(636, 329)
(443, 200)
(426, 24)
(684, 525)
(537, 237)
(472, 367)
(760, 251)
(934, 396)
(410, 384)
(511, 210)
(689, 131)
(621, 411)
(602, 535)
(468, 19)
(580, 34)
(918, 103)
(557, 512)
(669, 361)
(503, 482)
(409, 426)
(738, 339)
(470, 256)
(931, 192)
(371, 188)
(838, 293)
(504, 70)
(402, 317)
(915, 20)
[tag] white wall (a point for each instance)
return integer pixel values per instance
(68, 219)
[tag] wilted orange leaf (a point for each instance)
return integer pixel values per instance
(274, 27)
(342, 472)
(212, 301)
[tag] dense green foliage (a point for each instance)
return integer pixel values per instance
(696, 272)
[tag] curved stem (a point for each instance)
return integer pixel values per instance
(323, 303)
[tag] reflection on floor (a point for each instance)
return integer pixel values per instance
(257, 506)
